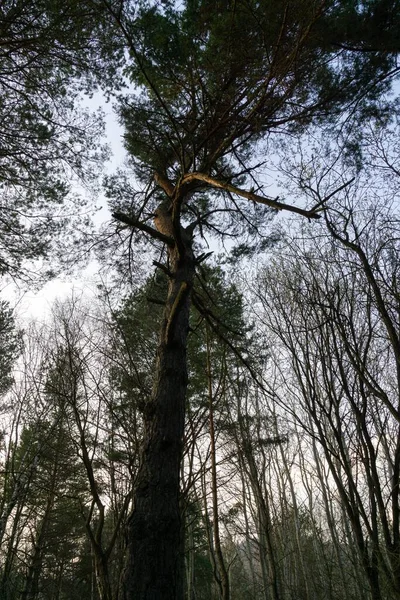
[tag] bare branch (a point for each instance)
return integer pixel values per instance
(310, 214)
(163, 268)
(319, 206)
(132, 222)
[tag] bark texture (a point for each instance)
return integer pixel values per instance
(155, 541)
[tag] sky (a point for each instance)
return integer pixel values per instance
(30, 304)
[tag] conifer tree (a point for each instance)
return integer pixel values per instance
(213, 80)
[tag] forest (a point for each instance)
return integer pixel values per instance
(220, 419)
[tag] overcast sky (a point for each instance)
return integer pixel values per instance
(29, 304)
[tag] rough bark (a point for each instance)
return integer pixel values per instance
(155, 542)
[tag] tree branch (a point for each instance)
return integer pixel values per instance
(310, 214)
(163, 268)
(164, 184)
(132, 222)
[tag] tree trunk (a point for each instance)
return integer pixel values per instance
(102, 575)
(31, 589)
(189, 564)
(155, 565)
(222, 578)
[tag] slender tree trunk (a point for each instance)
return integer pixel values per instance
(189, 564)
(102, 575)
(249, 536)
(57, 594)
(31, 589)
(223, 575)
(256, 476)
(300, 570)
(9, 553)
(326, 493)
(155, 566)
(267, 549)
